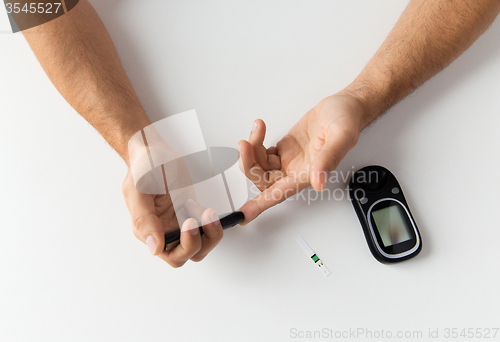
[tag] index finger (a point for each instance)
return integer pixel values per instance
(275, 194)
(190, 244)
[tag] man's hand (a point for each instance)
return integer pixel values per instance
(305, 156)
(428, 36)
(161, 200)
(153, 216)
(79, 57)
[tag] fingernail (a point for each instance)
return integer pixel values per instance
(192, 203)
(213, 217)
(254, 126)
(151, 242)
(193, 228)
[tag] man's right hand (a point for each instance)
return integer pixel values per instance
(153, 216)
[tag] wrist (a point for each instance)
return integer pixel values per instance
(134, 123)
(372, 100)
(376, 91)
(121, 125)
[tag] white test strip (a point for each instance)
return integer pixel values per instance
(313, 256)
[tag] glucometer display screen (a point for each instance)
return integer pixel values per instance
(391, 225)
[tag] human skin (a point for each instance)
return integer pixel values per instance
(428, 36)
(80, 59)
(78, 56)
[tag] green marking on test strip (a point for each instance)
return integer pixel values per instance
(313, 256)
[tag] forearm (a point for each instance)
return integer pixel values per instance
(428, 36)
(80, 59)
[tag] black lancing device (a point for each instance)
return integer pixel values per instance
(226, 220)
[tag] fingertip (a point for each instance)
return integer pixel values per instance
(209, 216)
(211, 225)
(155, 243)
(186, 238)
(214, 218)
(149, 230)
(190, 226)
(260, 123)
(193, 208)
(151, 243)
(190, 244)
(190, 241)
(258, 133)
(250, 211)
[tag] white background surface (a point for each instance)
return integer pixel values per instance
(71, 270)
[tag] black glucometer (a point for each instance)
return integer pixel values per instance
(226, 220)
(388, 225)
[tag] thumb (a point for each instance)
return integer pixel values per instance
(149, 229)
(336, 146)
(146, 224)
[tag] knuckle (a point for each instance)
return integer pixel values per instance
(138, 226)
(214, 235)
(176, 264)
(219, 234)
(126, 184)
(241, 166)
(262, 186)
(335, 161)
(124, 188)
(349, 136)
(198, 258)
(136, 233)
(352, 139)
(138, 222)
